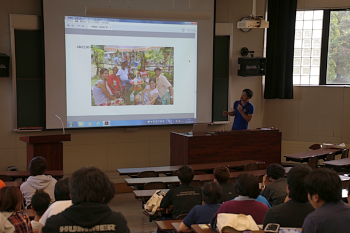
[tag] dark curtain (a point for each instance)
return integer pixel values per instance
(280, 49)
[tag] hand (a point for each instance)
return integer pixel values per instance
(264, 180)
(239, 108)
(225, 113)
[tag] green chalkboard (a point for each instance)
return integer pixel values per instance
(30, 80)
(220, 77)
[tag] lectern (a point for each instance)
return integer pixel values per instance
(49, 146)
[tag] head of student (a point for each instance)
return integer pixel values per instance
(61, 190)
(124, 64)
(115, 70)
(104, 73)
(40, 202)
(221, 174)
(212, 193)
(247, 185)
(295, 181)
(157, 70)
(247, 94)
(323, 185)
(275, 171)
(11, 199)
(185, 174)
(90, 184)
(37, 166)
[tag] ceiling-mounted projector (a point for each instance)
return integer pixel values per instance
(253, 22)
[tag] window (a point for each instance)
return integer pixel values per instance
(322, 47)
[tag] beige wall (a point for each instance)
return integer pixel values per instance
(316, 114)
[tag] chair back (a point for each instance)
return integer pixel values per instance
(147, 174)
(330, 156)
(345, 153)
(154, 185)
(196, 183)
(175, 173)
(251, 167)
(313, 162)
(260, 178)
(315, 146)
(5, 178)
(181, 216)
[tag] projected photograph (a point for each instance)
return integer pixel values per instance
(132, 75)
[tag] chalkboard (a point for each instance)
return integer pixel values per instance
(220, 77)
(30, 80)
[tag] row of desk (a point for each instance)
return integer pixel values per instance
(25, 174)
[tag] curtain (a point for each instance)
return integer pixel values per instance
(280, 49)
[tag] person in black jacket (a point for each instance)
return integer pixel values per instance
(91, 190)
(222, 175)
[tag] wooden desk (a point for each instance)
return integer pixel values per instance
(305, 156)
(262, 145)
(196, 228)
(338, 163)
(166, 224)
(176, 226)
(25, 174)
(195, 167)
(13, 183)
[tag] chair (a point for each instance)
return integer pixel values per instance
(181, 216)
(260, 178)
(154, 185)
(5, 178)
(144, 174)
(196, 183)
(251, 167)
(345, 153)
(313, 162)
(330, 156)
(315, 146)
(165, 100)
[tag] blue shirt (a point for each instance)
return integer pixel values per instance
(201, 214)
(239, 122)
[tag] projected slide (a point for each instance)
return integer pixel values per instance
(130, 72)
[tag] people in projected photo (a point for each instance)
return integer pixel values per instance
(143, 74)
(113, 83)
(100, 91)
(123, 74)
(150, 93)
(164, 86)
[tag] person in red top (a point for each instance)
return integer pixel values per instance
(2, 184)
(113, 82)
(143, 74)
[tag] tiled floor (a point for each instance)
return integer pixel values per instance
(132, 211)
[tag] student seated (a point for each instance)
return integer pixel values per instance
(222, 175)
(184, 197)
(331, 214)
(202, 214)
(11, 202)
(247, 188)
(37, 180)
(275, 192)
(62, 198)
(90, 190)
(40, 203)
(293, 212)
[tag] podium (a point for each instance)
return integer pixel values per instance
(236, 145)
(49, 146)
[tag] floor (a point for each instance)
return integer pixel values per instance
(132, 211)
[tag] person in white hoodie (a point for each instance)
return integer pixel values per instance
(38, 181)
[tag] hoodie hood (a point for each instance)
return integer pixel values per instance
(87, 214)
(39, 181)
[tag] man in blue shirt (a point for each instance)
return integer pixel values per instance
(242, 110)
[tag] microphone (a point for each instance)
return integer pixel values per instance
(60, 120)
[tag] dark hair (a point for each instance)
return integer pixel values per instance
(37, 166)
(40, 202)
(275, 171)
(90, 184)
(11, 199)
(295, 180)
(153, 80)
(324, 182)
(185, 174)
(221, 174)
(249, 92)
(212, 193)
(157, 68)
(103, 70)
(247, 185)
(61, 191)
